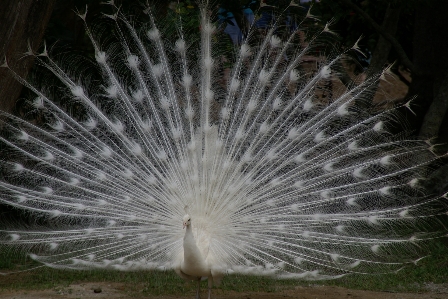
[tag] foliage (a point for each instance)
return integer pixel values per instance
(351, 26)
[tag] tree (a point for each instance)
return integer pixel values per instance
(23, 26)
(430, 80)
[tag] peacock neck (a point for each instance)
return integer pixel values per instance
(189, 231)
(194, 263)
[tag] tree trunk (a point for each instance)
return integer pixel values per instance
(431, 61)
(23, 22)
(433, 119)
(382, 49)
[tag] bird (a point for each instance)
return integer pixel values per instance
(143, 157)
(196, 262)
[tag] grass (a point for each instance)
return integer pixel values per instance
(433, 269)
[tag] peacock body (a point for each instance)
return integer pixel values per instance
(277, 180)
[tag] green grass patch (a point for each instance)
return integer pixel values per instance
(433, 269)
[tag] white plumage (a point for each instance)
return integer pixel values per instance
(197, 261)
(278, 180)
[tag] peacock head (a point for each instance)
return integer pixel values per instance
(186, 221)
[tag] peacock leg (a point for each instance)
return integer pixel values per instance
(210, 283)
(199, 288)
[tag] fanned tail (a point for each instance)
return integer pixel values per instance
(278, 178)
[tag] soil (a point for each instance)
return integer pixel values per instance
(117, 290)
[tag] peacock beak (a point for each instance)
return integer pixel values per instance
(183, 226)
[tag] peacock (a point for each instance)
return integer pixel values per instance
(162, 151)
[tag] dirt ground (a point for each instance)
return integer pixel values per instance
(116, 290)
